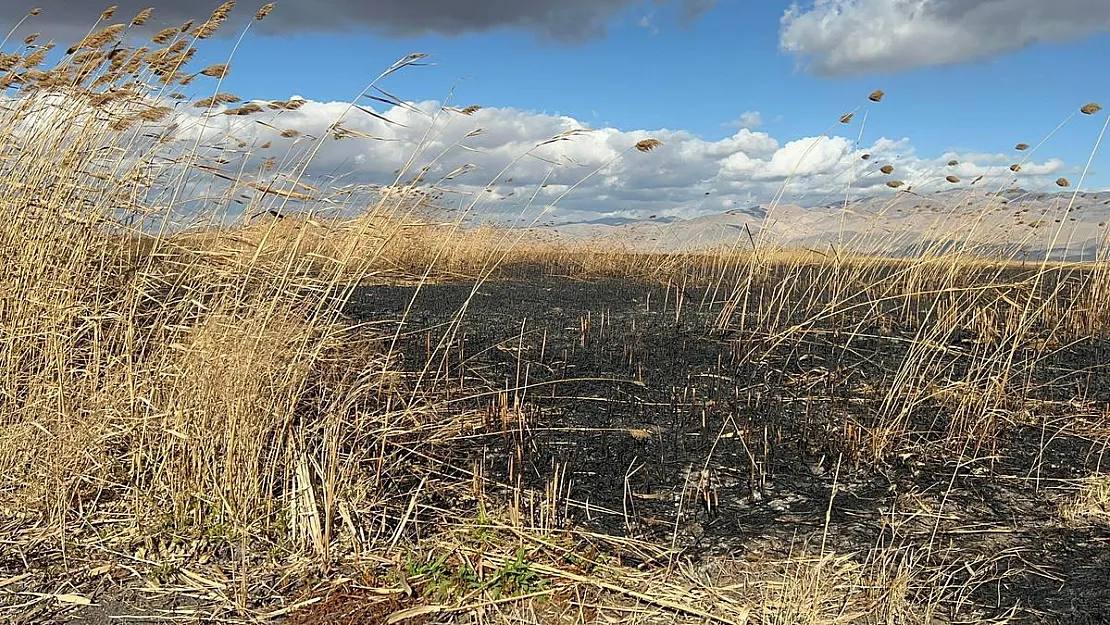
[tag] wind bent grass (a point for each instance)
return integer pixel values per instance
(184, 393)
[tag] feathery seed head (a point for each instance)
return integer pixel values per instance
(1090, 108)
(219, 98)
(142, 16)
(155, 113)
(34, 59)
(219, 70)
(876, 95)
(122, 123)
(164, 35)
(205, 30)
(647, 145)
(100, 38)
(246, 109)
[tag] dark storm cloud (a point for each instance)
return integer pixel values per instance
(559, 20)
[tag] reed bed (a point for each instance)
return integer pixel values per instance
(190, 415)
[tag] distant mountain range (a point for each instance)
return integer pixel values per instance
(1011, 224)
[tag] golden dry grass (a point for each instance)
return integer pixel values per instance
(167, 392)
(1091, 504)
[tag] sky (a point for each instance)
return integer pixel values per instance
(745, 95)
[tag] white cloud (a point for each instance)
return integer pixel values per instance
(853, 37)
(747, 119)
(646, 22)
(687, 176)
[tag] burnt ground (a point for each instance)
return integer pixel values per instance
(707, 440)
(720, 443)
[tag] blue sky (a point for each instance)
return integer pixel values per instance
(699, 77)
(965, 79)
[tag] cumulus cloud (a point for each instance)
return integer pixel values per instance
(512, 166)
(747, 119)
(853, 37)
(562, 20)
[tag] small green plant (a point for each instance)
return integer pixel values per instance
(450, 574)
(163, 572)
(516, 578)
(433, 568)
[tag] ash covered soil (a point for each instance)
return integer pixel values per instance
(719, 442)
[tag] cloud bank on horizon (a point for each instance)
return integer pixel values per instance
(558, 20)
(687, 176)
(854, 37)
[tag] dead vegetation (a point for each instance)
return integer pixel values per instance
(192, 426)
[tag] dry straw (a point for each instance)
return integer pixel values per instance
(212, 377)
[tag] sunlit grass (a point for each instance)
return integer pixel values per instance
(182, 384)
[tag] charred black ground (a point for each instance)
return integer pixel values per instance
(709, 438)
